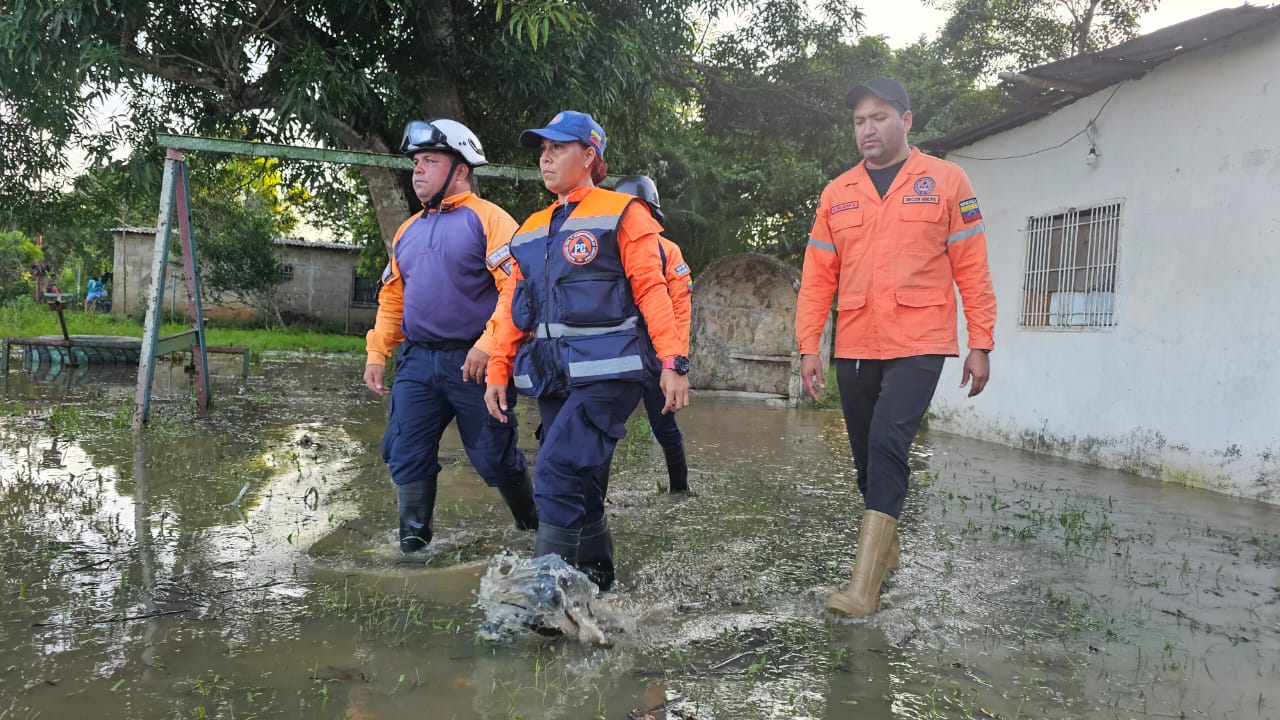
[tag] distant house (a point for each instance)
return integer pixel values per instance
(1130, 203)
(318, 281)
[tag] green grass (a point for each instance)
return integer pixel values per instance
(25, 319)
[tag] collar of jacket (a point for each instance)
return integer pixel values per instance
(914, 165)
(575, 195)
(456, 201)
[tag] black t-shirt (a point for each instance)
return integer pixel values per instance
(884, 177)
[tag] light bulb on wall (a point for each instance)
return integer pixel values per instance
(1092, 158)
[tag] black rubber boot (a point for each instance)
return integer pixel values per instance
(417, 501)
(519, 498)
(677, 468)
(558, 541)
(595, 553)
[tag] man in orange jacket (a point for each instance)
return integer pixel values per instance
(892, 239)
(680, 288)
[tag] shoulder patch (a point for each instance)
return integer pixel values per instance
(506, 266)
(387, 275)
(969, 211)
(682, 269)
(497, 257)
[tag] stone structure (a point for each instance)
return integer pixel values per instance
(742, 336)
(319, 281)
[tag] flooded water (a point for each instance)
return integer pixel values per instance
(242, 567)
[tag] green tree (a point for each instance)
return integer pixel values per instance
(239, 208)
(773, 128)
(238, 261)
(987, 36)
(344, 73)
(17, 255)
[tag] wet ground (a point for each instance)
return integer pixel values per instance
(241, 567)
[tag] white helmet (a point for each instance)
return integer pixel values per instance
(446, 135)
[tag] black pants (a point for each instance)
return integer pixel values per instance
(884, 402)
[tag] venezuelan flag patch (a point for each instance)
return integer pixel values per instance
(969, 211)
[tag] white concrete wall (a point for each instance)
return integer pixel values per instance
(1186, 386)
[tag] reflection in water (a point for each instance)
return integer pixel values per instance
(146, 581)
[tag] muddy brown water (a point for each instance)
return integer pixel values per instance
(241, 567)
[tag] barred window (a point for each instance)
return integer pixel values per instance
(286, 273)
(1070, 279)
(363, 292)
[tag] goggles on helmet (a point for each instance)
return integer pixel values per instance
(420, 135)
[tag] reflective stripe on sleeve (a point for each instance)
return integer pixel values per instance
(967, 232)
(815, 243)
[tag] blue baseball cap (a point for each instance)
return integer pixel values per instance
(568, 126)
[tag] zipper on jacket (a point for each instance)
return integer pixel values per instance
(433, 218)
(546, 283)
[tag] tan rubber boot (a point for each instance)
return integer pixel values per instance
(874, 540)
(895, 553)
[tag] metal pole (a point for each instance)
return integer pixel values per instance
(159, 266)
(199, 354)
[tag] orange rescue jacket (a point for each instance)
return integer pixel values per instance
(895, 263)
(679, 286)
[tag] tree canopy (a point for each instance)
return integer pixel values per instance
(738, 118)
(988, 36)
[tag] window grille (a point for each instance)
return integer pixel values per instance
(286, 273)
(363, 292)
(1070, 279)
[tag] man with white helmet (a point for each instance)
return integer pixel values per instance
(448, 263)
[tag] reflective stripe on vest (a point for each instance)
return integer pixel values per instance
(555, 330)
(603, 368)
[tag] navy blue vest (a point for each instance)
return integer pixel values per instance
(576, 301)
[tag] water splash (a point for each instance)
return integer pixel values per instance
(547, 596)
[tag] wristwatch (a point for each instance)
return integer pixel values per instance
(679, 363)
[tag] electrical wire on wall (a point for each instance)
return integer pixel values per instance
(1087, 130)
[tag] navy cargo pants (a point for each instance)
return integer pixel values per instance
(665, 429)
(428, 394)
(884, 402)
(579, 434)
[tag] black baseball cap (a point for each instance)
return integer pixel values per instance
(886, 89)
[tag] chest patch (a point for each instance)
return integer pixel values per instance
(581, 247)
(924, 185)
(841, 207)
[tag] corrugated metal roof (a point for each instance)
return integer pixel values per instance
(294, 242)
(1083, 75)
(290, 242)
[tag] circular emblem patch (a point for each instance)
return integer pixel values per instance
(924, 186)
(581, 247)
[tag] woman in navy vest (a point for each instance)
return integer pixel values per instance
(588, 324)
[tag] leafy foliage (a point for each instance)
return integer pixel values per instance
(740, 128)
(240, 207)
(17, 255)
(988, 36)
